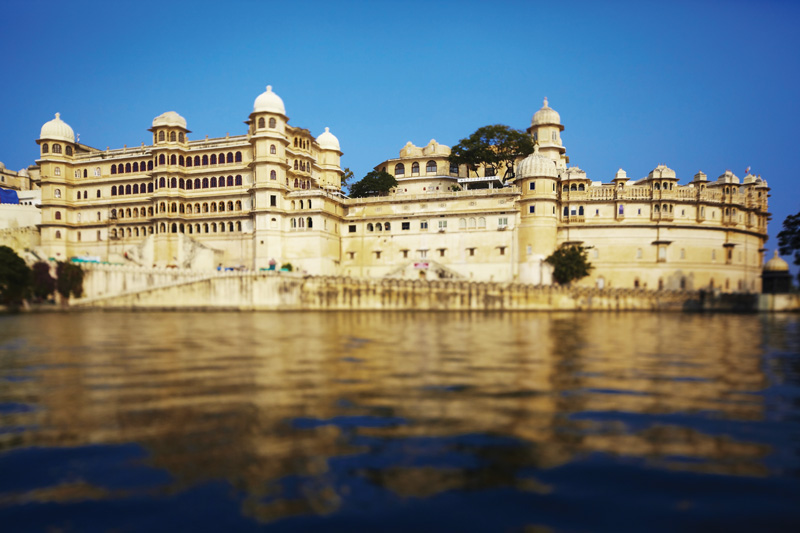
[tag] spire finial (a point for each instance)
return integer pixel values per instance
(58, 116)
(327, 129)
(269, 88)
(545, 101)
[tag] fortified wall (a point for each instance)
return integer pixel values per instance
(115, 287)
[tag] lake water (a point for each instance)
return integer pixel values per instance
(525, 422)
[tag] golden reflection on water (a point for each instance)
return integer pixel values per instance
(217, 396)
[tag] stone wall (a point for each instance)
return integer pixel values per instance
(134, 288)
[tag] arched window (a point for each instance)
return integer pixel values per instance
(205, 160)
(97, 171)
(431, 167)
(162, 160)
(182, 184)
(57, 171)
(162, 182)
(370, 227)
(230, 157)
(56, 148)
(149, 211)
(173, 207)
(378, 227)
(230, 226)
(188, 209)
(128, 213)
(197, 160)
(113, 190)
(213, 159)
(230, 206)
(197, 208)
(222, 207)
(272, 175)
(566, 211)
(150, 167)
(161, 136)
(309, 204)
(213, 181)
(309, 222)
(69, 150)
(173, 183)
(173, 160)
(573, 187)
(272, 149)
(173, 136)
(58, 215)
(45, 148)
(57, 193)
(221, 159)
(239, 226)
(128, 168)
(294, 223)
(149, 187)
(414, 168)
(296, 165)
(136, 166)
(301, 222)
(213, 227)
(230, 181)
(174, 228)
(580, 211)
(136, 212)
(197, 183)
(399, 169)
(181, 137)
(481, 222)
(462, 223)
(238, 157)
(98, 193)
(189, 161)
(205, 228)
(238, 205)
(261, 122)
(657, 186)
(272, 122)
(205, 183)
(581, 187)
(113, 213)
(181, 161)
(162, 208)
(222, 227)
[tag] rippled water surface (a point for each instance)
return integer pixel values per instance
(399, 422)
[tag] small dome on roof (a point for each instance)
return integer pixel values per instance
(536, 166)
(23, 172)
(170, 118)
(269, 102)
(57, 130)
(546, 115)
(328, 141)
(776, 264)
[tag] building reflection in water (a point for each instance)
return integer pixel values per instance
(303, 412)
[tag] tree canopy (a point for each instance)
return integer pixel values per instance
(70, 280)
(570, 263)
(375, 183)
(15, 277)
(789, 238)
(43, 283)
(346, 176)
(494, 146)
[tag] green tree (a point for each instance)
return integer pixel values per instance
(789, 238)
(496, 147)
(15, 277)
(70, 280)
(570, 263)
(43, 283)
(347, 176)
(376, 183)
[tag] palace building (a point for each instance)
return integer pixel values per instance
(272, 195)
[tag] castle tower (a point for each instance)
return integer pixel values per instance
(57, 148)
(546, 129)
(267, 134)
(329, 161)
(537, 178)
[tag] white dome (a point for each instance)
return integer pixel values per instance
(269, 102)
(536, 166)
(170, 118)
(57, 130)
(776, 264)
(546, 115)
(328, 141)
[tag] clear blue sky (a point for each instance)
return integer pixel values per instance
(695, 85)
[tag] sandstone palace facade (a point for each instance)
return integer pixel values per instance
(273, 196)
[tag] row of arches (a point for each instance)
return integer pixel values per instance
(301, 143)
(573, 187)
(173, 136)
(386, 226)
(430, 167)
(136, 188)
(56, 149)
(127, 168)
(131, 213)
(207, 227)
(200, 183)
(304, 166)
(472, 223)
(198, 161)
(197, 208)
(302, 204)
(263, 124)
(302, 222)
(665, 187)
(132, 232)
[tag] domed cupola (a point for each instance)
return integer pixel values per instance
(170, 119)
(536, 166)
(328, 141)
(546, 116)
(269, 102)
(776, 264)
(57, 130)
